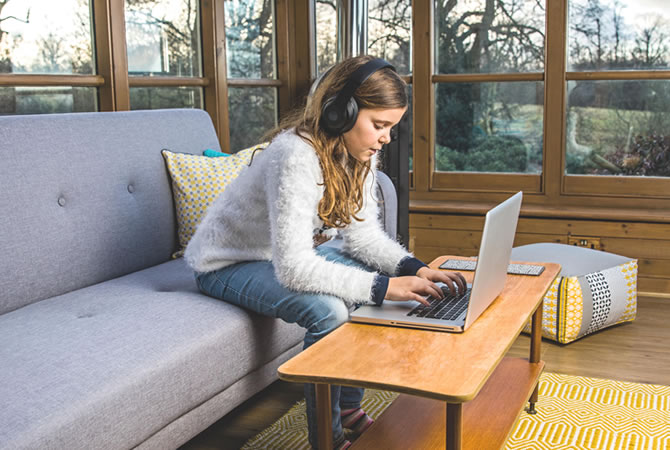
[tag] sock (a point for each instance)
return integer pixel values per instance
(342, 445)
(356, 420)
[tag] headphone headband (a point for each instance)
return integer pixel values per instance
(358, 77)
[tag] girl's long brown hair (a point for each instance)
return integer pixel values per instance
(343, 175)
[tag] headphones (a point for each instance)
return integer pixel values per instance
(339, 113)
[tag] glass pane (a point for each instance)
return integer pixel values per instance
(326, 35)
(619, 35)
(390, 32)
(250, 43)
(489, 127)
(47, 100)
(485, 36)
(163, 37)
(165, 97)
(46, 36)
(252, 114)
(618, 128)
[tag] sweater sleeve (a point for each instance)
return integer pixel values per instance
(293, 193)
(369, 243)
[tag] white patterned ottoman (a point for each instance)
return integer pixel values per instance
(594, 290)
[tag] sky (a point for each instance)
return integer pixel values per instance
(46, 16)
(56, 17)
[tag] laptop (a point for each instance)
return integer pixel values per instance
(457, 313)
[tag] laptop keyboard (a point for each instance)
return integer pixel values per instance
(447, 308)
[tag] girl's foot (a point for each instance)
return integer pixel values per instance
(356, 420)
(344, 444)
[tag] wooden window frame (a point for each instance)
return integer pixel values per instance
(293, 22)
(483, 181)
(617, 186)
(293, 25)
(109, 65)
(553, 189)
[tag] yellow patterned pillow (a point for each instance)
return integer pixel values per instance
(579, 305)
(197, 181)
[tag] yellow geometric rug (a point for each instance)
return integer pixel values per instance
(572, 413)
(592, 413)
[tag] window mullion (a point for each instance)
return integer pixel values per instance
(554, 100)
(423, 93)
(111, 59)
(212, 57)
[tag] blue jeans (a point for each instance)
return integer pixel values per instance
(254, 286)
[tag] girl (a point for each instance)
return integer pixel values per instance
(258, 245)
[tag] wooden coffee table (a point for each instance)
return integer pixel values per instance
(458, 382)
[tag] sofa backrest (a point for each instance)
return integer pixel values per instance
(86, 197)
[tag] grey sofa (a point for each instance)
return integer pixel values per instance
(105, 341)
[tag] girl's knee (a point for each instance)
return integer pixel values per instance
(329, 313)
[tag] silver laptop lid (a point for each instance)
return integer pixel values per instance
(494, 254)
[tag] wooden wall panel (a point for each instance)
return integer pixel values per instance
(654, 286)
(433, 235)
(558, 226)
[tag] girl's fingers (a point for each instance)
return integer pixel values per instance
(450, 284)
(457, 279)
(462, 278)
(420, 299)
(435, 291)
(460, 281)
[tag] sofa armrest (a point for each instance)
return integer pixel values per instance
(388, 208)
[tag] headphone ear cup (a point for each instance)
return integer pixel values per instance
(337, 120)
(350, 116)
(332, 117)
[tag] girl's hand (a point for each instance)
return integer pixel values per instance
(448, 278)
(406, 288)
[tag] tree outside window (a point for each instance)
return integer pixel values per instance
(618, 127)
(250, 56)
(497, 125)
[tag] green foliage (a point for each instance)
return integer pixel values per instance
(578, 164)
(455, 116)
(490, 154)
(252, 114)
(497, 154)
(448, 160)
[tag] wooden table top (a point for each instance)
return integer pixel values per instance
(446, 366)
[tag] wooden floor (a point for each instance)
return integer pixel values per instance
(636, 352)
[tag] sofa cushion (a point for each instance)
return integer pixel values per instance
(197, 181)
(110, 365)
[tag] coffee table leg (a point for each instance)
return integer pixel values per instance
(454, 425)
(535, 351)
(324, 417)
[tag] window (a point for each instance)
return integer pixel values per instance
(568, 100)
(326, 32)
(390, 32)
(164, 54)
(618, 107)
(109, 55)
(489, 96)
(390, 37)
(252, 72)
(53, 40)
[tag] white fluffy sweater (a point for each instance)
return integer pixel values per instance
(269, 213)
